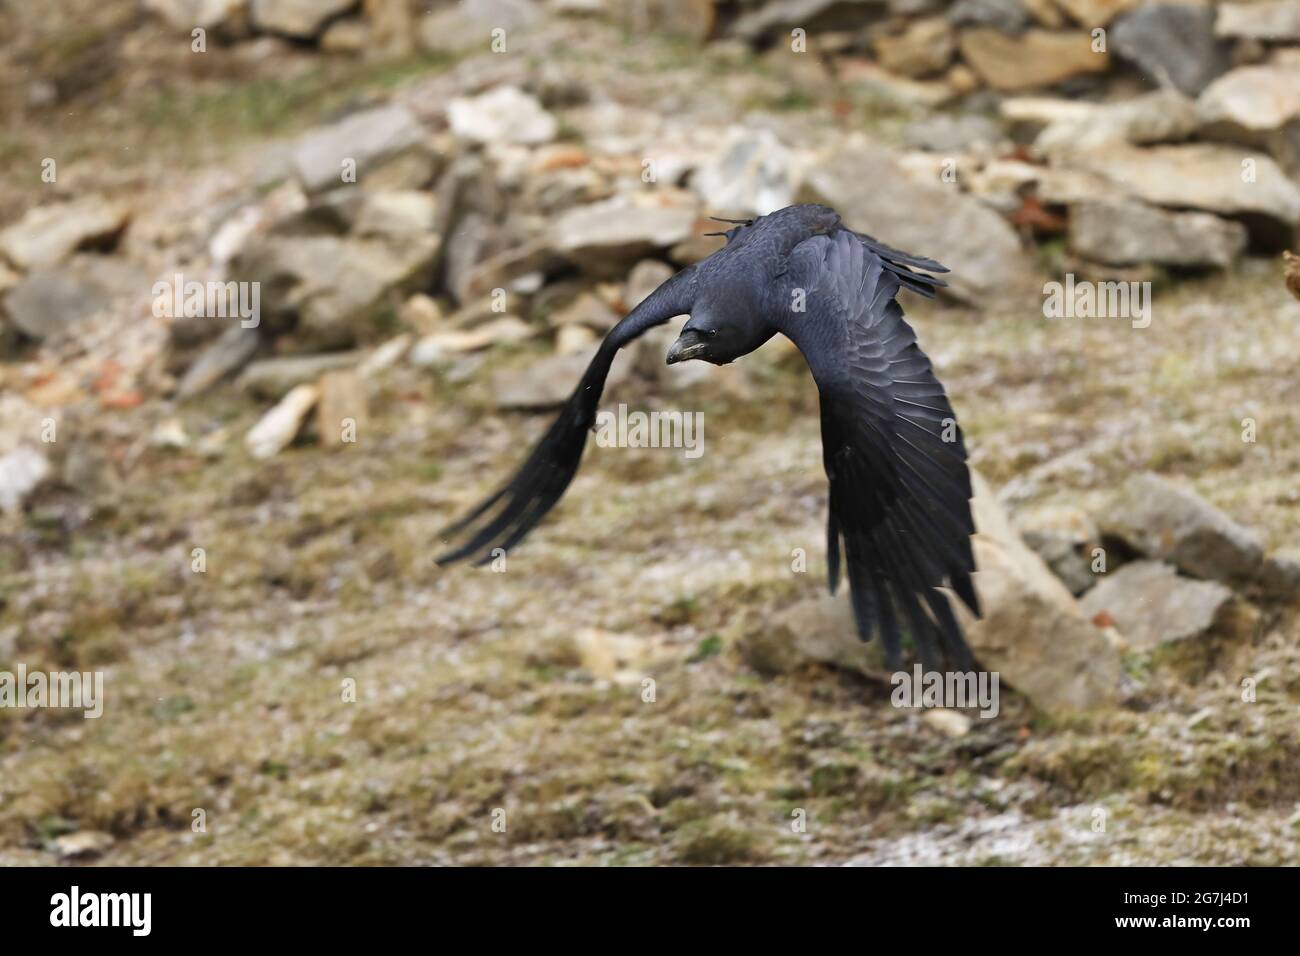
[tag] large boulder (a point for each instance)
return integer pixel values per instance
(331, 289)
(1158, 519)
(1257, 106)
(1162, 116)
(607, 237)
(1125, 232)
(1206, 176)
(866, 185)
(49, 301)
(361, 144)
(1151, 604)
(1032, 631)
(1172, 43)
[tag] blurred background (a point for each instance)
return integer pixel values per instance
(285, 285)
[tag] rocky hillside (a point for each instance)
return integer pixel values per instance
(288, 285)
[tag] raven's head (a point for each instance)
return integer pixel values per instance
(720, 332)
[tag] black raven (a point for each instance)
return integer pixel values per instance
(899, 486)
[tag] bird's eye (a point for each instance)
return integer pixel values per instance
(710, 332)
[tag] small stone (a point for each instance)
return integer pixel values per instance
(572, 339)
(278, 427)
(82, 845)
(169, 434)
(502, 115)
(950, 723)
(422, 313)
(273, 378)
(343, 408)
(923, 48)
(230, 352)
(21, 471)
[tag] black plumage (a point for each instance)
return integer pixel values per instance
(899, 485)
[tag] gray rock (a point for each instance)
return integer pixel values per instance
(606, 237)
(1033, 632)
(301, 19)
(1009, 16)
(47, 235)
(332, 289)
(1162, 116)
(1172, 44)
(1161, 520)
(1273, 20)
(273, 378)
(548, 382)
(371, 139)
(949, 133)
(814, 16)
(1252, 99)
(818, 630)
(46, 302)
(1129, 233)
(395, 214)
(505, 114)
(753, 173)
(225, 356)
(937, 220)
(468, 24)
(1064, 538)
(1206, 176)
(1152, 605)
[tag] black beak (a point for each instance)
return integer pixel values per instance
(689, 345)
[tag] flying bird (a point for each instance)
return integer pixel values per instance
(900, 489)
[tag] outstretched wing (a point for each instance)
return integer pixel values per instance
(899, 485)
(502, 520)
